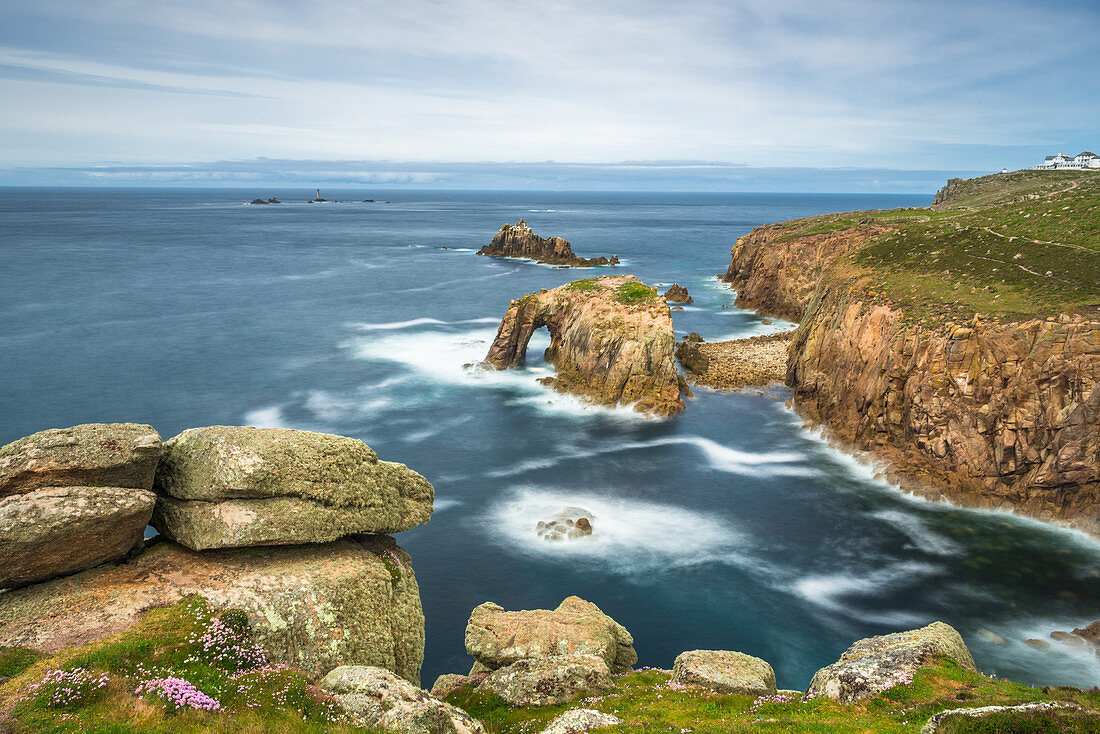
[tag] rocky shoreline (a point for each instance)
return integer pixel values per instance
(732, 365)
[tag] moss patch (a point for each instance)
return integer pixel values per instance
(634, 292)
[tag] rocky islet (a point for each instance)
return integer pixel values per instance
(519, 241)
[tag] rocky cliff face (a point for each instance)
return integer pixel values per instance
(776, 274)
(987, 414)
(611, 341)
(517, 240)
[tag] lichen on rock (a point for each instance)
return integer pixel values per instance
(611, 341)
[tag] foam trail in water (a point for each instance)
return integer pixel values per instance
(918, 533)
(628, 536)
(392, 325)
(271, 417)
(838, 592)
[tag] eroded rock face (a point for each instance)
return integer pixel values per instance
(517, 240)
(313, 606)
(678, 294)
(380, 699)
(238, 486)
(94, 454)
(875, 664)
(611, 341)
(550, 681)
(496, 638)
(61, 530)
(724, 671)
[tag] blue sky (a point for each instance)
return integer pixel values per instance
(556, 94)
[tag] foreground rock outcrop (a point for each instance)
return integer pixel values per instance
(236, 486)
(73, 498)
(62, 530)
(550, 681)
(724, 671)
(611, 341)
(312, 606)
(497, 638)
(517, 240)
(380, 699)
(89, 455)
(874, 664)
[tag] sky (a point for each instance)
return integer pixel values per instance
(888, 95)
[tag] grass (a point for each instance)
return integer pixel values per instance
(633, 292)
(1010, 246)
(14, 660)
(647, 702)
(584, 285)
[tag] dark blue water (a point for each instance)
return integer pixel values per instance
(728, 527)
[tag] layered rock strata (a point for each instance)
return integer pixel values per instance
(497, 638)
(312, 606)
(874, 664)
(517, 240)
(611, 341)
(237, 486)
(731, 365)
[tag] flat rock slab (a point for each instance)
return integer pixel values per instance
(495, 637)
(576, 721)
(94, 454)
(238, 486)
(312, 606)
(875, 664)
(378, 698)
(550, 681)
(62, 530)
(724, 671)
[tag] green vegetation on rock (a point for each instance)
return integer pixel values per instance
(633, 292)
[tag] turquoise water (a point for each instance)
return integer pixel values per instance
(728, 527)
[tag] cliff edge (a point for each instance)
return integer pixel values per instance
(611, 341)
(960, 342)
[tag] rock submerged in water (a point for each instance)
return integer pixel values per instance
(379, 699)
(611, 341)
(874, 664)
(678, 294)
(311, 606)
(497, 638)
(92, 455)
(517, 240)
(570, 524)
(237, 486)
(724, 671)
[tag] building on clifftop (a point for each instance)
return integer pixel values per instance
(1062, 161)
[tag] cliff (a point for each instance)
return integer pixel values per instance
(960, 343)
(611, 341)
(517, 240)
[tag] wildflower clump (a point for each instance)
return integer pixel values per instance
(67, 688)
(177, 694)
(227, 643)
(392, 564)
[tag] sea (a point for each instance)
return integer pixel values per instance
(731, 526)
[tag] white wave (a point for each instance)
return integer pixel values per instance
(329, 407)
(452, 358)
(628, 535)
(445, 504)
(270, 417)
(719, 457)
(838, 593)
(423, 321)
(1063, 663)
(918, 533)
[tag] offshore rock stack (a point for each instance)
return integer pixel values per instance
(517, 240)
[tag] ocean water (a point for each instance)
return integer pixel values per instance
(729, 527)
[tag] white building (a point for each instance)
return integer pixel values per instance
(1063, 162)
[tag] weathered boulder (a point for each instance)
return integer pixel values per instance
(517, 240)
(61, 530)
(496, 638)
(312, 606)
(94, 455)
(1040, 716)
(575, 721)
(874, 664)
(724, 671)
(678, 294)
(1090, 633)
(550, 681)
(378, 698)
(611, 341)
(237, 486)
